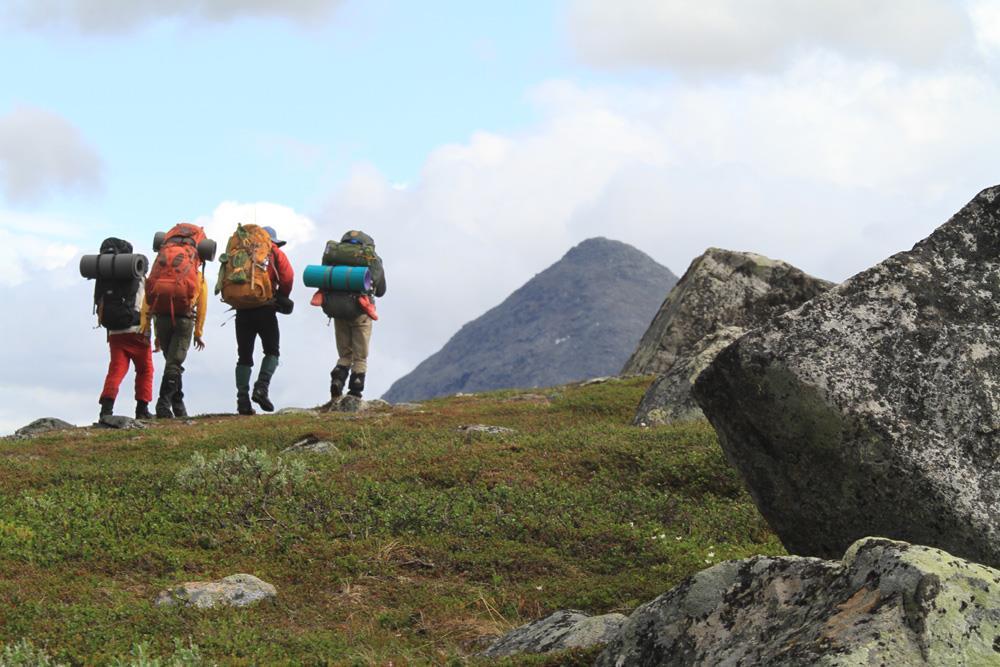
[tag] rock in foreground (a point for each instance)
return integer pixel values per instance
(560, 631)
(873, 409)
(886, 603)
(237, 590)
(721, 296)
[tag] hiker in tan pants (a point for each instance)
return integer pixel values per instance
(353, 337)
(352, 320)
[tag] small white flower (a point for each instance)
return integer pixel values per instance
(708, 561)
(663, 536)
(538, 588)
(678, 538)
(711, 554)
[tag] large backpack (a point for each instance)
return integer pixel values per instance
(354, 249)
(174, 283)
(244, 279)
(114, 300)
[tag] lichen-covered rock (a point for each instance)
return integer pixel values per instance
(485, 429)
(874, 409)
(120, 422)
(311, 445)
(560, 631)
(886, 603)
(237, 590)
(722, 295)
(43, 425)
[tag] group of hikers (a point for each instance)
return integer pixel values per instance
(162, 307)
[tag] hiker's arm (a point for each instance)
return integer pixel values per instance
(286, 275)
(144, 319)
(199, 323)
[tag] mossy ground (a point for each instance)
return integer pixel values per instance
(412, 545)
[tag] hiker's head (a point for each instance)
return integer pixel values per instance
(274, 236)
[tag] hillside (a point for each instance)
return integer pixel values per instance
(412, 541)
(580, 318)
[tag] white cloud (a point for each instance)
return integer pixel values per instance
(831, 165)
(292, 227)
(721, 35)
(41, 153)
(108, 16)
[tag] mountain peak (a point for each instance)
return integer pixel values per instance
(575, 320)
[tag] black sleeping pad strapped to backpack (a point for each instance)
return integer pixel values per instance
(114, 299)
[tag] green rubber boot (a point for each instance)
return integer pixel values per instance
(267, 367)
(243, 405)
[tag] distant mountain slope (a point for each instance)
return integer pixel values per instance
(580, 318)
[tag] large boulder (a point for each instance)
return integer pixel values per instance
(886, 603)
(875, 408)
(721, 296)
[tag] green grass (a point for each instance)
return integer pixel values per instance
(414, 544)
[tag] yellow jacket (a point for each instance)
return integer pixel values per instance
(201, 308)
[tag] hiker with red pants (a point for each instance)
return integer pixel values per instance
(120, 306)
(256, 280)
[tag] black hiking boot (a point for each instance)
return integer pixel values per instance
(243, 405)
(338, 378)
(177, 401)
(260, 397)
(164, 408)
(142, 410)
(356, 385)
(107, 408)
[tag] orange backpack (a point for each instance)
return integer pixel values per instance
(244, 279)
(174, 283)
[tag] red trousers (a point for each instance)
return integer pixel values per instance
(126, 348)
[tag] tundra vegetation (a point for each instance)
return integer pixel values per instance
(412, 541)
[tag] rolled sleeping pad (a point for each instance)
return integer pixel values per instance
(114, 267)
(338, 278)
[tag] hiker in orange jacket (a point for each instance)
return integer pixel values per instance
(263, 322)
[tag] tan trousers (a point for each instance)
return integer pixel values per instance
(353, 337)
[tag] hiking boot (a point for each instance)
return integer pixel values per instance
(177, 400)
(338, 378)
(107, 407)
(164, 406)
(243, 405)
(260, 396)
(356, 385)
(163, 410)
(267, 367)
(142, 410)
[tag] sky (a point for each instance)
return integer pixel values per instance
(476, 142)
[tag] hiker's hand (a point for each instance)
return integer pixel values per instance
(199, 344)
(156, 345)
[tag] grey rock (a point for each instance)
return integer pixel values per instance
(120, 422)
(560, 631)
(486, 429)
(873, 409)
(408, 407)
(578, 319)
(43, 425)
(722, 295)
(885, 603)
(377, 404)
(237, 590)
(311, 445)
(592, 381)
(297, 411)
